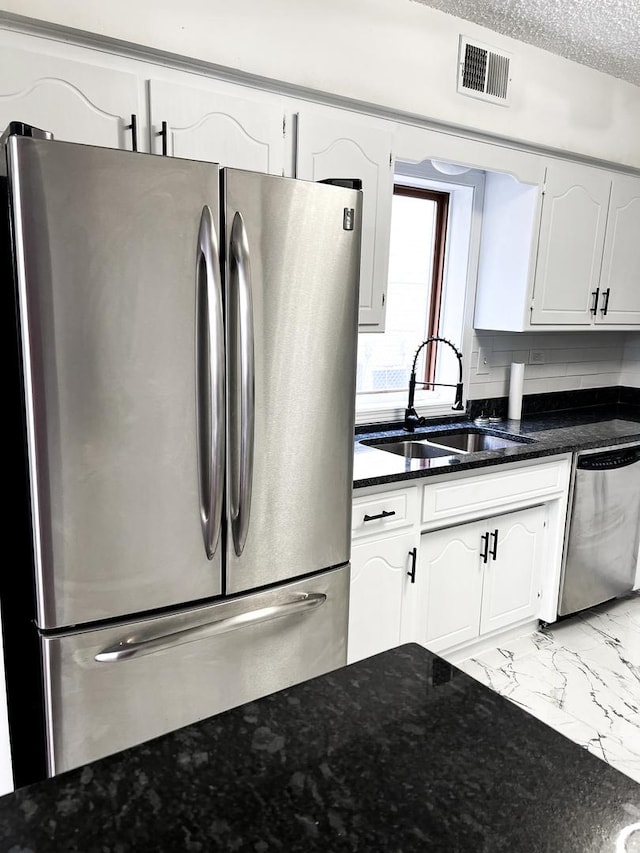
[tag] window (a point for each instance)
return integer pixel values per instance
(414, 293)
(433, 258)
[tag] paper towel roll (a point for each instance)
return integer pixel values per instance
(515, 391)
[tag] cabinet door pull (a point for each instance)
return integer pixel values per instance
(133, 127)
(383, 514)
(163, 133)
(605, 307)
(413, 553)
(484, 547)
(596, 296)
(494, 550)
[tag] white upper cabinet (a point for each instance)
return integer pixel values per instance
(218, 123)
(619, 302)
(572, 230)
(335, 144)
(76, 101)
(563, 256)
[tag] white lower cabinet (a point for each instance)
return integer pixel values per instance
(478, 577)
(488, 551)
(379, 578)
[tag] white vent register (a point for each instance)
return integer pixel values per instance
(483, 72)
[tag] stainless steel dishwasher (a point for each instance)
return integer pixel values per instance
(603, 533)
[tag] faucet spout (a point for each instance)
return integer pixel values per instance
(411, 417)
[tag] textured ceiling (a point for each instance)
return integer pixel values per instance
(603, 34)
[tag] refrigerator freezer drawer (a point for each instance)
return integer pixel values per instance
(111, 688)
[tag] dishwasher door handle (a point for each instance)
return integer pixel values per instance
(609, 461)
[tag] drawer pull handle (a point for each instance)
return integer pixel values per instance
(413, 553)
(383, 514)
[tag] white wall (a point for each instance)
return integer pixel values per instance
(394, 53)
(573, 360)
(630, 373)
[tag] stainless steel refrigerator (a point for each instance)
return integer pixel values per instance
(187, 340)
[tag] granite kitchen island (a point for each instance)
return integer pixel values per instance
(398, 753)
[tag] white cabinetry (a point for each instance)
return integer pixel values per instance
(480, 577)
(226, 125)
(76, 101)
(488, 556)
(572, 229)
(335, 144)
(383, 563)
(566, 257)
(379, 575)
(620, 279)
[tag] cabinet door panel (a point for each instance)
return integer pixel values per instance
(332, 145)
(76, 101)
(378, 580)
(621, 261)
(511, 589)
(572, 229)
(450, 573)
(233, 129)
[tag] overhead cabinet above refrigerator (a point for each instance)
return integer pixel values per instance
(188, 340)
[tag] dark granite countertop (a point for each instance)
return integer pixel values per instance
(546, 434)
(397, 753)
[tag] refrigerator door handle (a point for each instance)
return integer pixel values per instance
(243, 377)
(210, 389)
(137, 646)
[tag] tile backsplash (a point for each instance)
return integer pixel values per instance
(572, 360)
(630, 373)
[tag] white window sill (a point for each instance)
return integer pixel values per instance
(391, 407)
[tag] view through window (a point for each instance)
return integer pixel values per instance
(414, 294)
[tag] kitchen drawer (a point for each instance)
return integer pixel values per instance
(481, 494)
(384, 512)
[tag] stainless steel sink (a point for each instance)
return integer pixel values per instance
(470, 441)
(447, 444)
(412, 449)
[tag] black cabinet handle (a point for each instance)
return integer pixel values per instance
(413, 553)
(605, 307)
(596, 296)
(383, 514)
(484, 547)
(494, 552)
(133, 127)
(163, 133)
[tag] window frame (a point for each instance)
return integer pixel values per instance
(436, 287)
(466, 190)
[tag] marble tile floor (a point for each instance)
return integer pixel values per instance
(581, 676)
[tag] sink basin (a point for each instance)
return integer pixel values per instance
(470, 441)
(412, 449)
(446, 444)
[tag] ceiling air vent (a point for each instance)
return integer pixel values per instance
(483, 72)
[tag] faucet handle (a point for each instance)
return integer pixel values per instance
(412, 420)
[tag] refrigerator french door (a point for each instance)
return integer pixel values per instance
(187, 338)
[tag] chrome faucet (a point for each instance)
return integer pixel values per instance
(411, 417)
